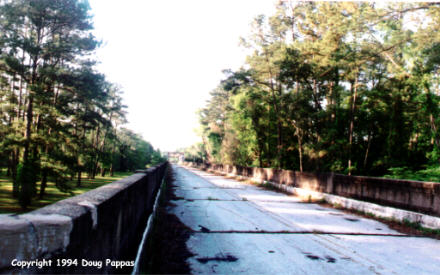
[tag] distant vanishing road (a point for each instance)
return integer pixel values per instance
(243, 229)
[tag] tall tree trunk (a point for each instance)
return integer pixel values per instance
(318, 125)
(20, 95)
(277, 111)
(299, 136)
(331, 103)
(83, 141)
(368, 148)
(15, 161)
(97, 152)
(29, 116)
(279, 127)
(114, 150)
(10, 160)
(16, 153)
(8, 171)
(350, 133)
(111, 170)
(78, 182)
(43, 183)
(300, 151)
(434, 130)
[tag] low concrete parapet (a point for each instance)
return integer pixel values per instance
(423, 197)
(104, 225)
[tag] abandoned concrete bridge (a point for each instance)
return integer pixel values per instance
(236, 228)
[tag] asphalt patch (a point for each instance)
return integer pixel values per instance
(351, 219)
(313, 257)
(221, 258)
(204, 229)
(336, 214)
(328, 259)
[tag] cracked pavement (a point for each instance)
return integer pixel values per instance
(243, 229)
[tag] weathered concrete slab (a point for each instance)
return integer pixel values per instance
(253, 193)
(313, 217)
(53, 231)
(311, 254)
(392, 255)
(185, 179)
(289, 210)
(219, 181)
(226, 216)
(18, 240)
(203, 194)
(320, 240)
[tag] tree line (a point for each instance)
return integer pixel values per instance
(60, 118)
(349, 87)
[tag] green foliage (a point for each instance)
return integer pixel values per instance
(423, 230)
(134, 152)
(428, 174)
(27, 179)
(53, 194)
(59, 117)
(195, 153)
(333, 86)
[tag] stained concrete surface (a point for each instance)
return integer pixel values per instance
(243, 229)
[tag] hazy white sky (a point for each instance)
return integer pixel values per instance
(168, 55)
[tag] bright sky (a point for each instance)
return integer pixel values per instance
(168, 55)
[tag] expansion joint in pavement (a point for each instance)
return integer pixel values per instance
(208, 187)
(240, 200)
(207, 231)
(208, 199)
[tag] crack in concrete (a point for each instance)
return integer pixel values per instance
(296, 233)
(244, 199)
(34, 232)
(208, 199)
(209, 187)
(347, 245)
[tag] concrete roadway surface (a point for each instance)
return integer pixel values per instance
(242, 229)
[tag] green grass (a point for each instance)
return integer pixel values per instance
(8, 204)
(424, 230)
(428, 174)
(266, 185)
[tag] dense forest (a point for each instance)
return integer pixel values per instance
(60, 118)
(349, 87)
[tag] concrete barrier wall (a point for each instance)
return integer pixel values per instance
(103, 225)
(417, 196)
